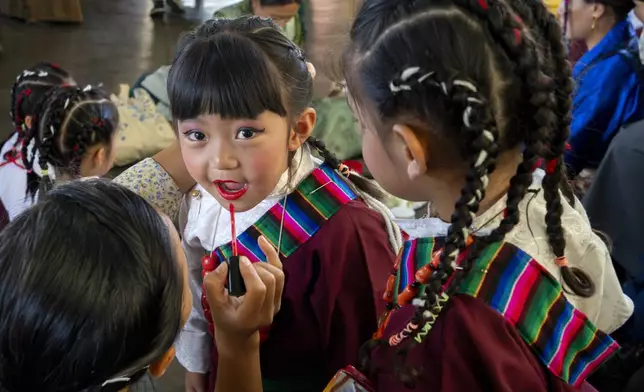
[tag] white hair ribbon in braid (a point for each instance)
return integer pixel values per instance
(466, 84)
(403, 84)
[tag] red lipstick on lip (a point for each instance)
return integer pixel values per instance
(224, 189)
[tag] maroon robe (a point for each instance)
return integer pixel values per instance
(471, 348)
(333, 294)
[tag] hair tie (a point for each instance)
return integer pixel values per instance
(551, 166)
(344, 170)
(561, 261)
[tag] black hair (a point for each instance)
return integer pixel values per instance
(90, 290)
(484, 78)
(620, 8)
(229, 54)
(28, 91)
(555, 182)
(71, 120)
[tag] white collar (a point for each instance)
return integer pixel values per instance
(485, 223)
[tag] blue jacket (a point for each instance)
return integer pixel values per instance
(608, 95)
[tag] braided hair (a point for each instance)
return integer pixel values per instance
(481, 77)
(555, 179)
(210, 56)
(72, 121)
(29, 89)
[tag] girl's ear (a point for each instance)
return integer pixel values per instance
(415, 151)
(302, 129)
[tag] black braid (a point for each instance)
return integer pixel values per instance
(520, 49)
(576, 279)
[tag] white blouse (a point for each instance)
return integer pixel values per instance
(609, 307)
(13, 181)
(205, 225)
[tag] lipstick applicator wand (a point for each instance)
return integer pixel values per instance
(236, 286)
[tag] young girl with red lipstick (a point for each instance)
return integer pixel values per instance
(240, 94)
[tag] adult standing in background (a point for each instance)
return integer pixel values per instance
(609, 91)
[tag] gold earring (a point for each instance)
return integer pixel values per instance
(592, 27)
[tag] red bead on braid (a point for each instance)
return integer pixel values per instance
(484, 5)
(551, 166)
(517, 36)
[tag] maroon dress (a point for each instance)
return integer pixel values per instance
(470, 349)
(332, 296)
(508, 329)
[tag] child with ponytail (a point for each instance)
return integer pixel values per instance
(504, 287)
(29, 89)
(240, 93)
(69, 136)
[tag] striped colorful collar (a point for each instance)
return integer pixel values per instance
(297, 216)
(528, 297)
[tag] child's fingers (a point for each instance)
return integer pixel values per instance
(255, 289)
(272, 257)
(268, 307)
(278, 276)
(215, 285)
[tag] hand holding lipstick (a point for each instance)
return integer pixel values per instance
(238, 319)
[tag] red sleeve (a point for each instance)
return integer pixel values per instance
(356, 259)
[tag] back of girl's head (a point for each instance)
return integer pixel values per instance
(71, 122)
(30, 88)
(474, 75)
(247, 66)
(90, 290)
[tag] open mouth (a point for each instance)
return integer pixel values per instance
(230, 190)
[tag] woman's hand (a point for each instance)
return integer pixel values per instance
(238, 320)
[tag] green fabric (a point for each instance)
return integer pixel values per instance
(294, 29)
(336, 127)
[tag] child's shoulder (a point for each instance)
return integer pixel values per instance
(355, 232)
(356, 216)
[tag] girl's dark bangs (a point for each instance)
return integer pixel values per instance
(227, 75)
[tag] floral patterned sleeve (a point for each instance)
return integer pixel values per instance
(150, 181)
